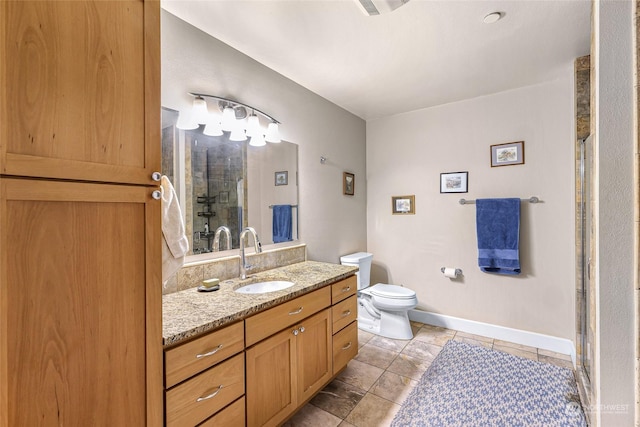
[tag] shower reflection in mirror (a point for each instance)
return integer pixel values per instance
(224, 183)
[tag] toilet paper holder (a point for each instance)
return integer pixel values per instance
(458, 271)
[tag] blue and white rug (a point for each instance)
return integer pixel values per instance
(468, 385)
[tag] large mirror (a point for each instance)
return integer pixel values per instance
(223, 183)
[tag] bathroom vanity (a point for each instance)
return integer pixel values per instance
(254, 359)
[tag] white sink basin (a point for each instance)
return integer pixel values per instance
(264, 287)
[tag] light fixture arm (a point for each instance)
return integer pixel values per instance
(234, 103)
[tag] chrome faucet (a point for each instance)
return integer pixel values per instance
(244, 267)
(216, 239)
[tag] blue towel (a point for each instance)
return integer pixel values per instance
(498, 229)
(281, 223)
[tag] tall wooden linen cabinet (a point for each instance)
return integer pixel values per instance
(80, 235)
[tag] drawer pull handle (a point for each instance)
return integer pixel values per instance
(295, 332)
(200, 399)
(301, 329)
(348, 346)
(298, 311)
(346, 313)
(211, 352)
(346, 289)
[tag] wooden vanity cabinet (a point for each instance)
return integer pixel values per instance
(205, 375)
(345, 325)
(80, 260)
(293, 363)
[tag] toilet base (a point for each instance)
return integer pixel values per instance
(391, 324)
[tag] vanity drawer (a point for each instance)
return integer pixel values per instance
(344, 312)
(205, 394)
(344, 289)
(268, 322)
(345, 346)
(231, 416)
(188, 359)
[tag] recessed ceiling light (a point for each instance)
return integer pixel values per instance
(493, 17)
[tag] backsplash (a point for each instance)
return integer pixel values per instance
(192, 275)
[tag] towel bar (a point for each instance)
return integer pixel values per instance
(532, 199)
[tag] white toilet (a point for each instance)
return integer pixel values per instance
(382, 308)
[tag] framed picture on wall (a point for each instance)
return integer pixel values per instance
(511, 153)
(454, 182)
(403, 205)
(282, 178)
(348, 183)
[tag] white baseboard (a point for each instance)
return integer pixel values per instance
(518, 336)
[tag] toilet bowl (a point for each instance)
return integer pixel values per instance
(382, 308)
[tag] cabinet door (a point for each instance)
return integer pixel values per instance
(80, 298)
(271, 379)
(315, 354)
(80, 89)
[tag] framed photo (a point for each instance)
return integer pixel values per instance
(224, 197)
(403, 205)
(282, 178)
(348, 183)
(454, 182)
(511, 153)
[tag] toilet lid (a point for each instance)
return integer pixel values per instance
(391, 291)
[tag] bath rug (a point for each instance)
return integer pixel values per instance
(468, 385)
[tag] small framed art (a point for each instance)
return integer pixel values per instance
(282, 178)
(403, 205)
(454, 182)
(511, 153)
(348, 183)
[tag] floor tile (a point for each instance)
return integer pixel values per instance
(376, 356)
(474, 337)
(409, 366)
(422, 350)
(373, 411)
(393, 387)
(311, 416)
(434, 335)
(338, 398)
(516, 351)
(346, 424)
(361, 375)
(522, 347)
(473, 341)
(388, 343)
(364, 337)
(555, 361)
(553, 354)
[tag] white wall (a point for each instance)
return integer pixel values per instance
(615, 346)
(330, 223)
(406, 154)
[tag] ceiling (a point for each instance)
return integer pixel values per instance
(425, 53)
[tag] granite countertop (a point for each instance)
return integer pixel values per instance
(188, 313)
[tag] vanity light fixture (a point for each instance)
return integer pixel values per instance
(234, 119)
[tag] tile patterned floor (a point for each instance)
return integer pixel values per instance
(369, 392)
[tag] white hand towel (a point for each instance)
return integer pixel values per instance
(176, 244)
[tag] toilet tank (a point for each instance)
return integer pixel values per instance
(363, 261)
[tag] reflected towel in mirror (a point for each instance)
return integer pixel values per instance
(282, 223)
